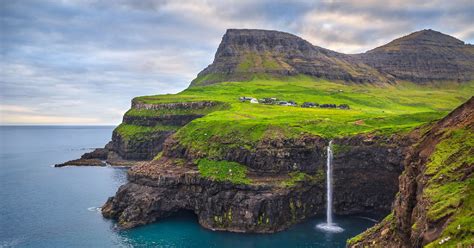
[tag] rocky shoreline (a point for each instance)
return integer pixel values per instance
(366, 180)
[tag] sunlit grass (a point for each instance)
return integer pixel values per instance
(383, 109)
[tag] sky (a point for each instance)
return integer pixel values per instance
(81, 62)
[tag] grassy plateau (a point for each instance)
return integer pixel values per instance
(382, 109)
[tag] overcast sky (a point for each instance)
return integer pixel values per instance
(81, 62)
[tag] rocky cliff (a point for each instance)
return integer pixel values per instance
(143, 131)
(423, 56)
(286, 184)
(435, 203)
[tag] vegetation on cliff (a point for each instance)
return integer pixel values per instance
(382, 109)
(450, 188)
(136, 132)
(435, 205)
(223, 171)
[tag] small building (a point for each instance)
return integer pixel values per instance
(245, 98)
(267, 101)
(344, 106)
(253, 100)
(309, 105)
(328, 105)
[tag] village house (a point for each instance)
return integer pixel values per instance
(253, 100)
(309, 105)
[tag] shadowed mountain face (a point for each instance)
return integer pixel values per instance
(420, 57)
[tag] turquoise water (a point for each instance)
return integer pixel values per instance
(42, 206)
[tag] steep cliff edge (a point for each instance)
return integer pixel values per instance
(435, 204)
(281, 184)
(144, 129)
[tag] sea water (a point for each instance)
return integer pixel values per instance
(42, 206)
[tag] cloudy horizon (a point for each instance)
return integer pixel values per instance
(81, 62)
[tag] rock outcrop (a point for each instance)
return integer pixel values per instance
(423, 56)
(434, 205)
(160, 188)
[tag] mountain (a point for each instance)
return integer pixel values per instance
(244, 53)
(423, 56)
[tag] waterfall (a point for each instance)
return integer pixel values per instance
(329, 185)
(329, 226)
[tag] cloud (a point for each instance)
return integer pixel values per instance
(71, 60)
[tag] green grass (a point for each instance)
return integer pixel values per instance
(369, 232)
(383, 109)
(135, 132)
(223, 171)
(449, 193)
(187, 111)
(298, 176)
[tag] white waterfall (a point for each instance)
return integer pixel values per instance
(329, 226)
(329, 185)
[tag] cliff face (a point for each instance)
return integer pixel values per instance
(435, 202)
(423, 56)
(365, 184)
(146, 126)
(143, 131)
(160, 188)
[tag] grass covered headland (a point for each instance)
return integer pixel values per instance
(383, 109)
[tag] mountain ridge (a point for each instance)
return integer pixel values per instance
(422, 56)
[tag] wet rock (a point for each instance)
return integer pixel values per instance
(82, 162)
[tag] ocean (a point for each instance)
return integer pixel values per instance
(43, 206)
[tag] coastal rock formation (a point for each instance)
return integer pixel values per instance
(159, 188)
(143, 131)
(423, 56)
(82, 162)
(435, 202)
